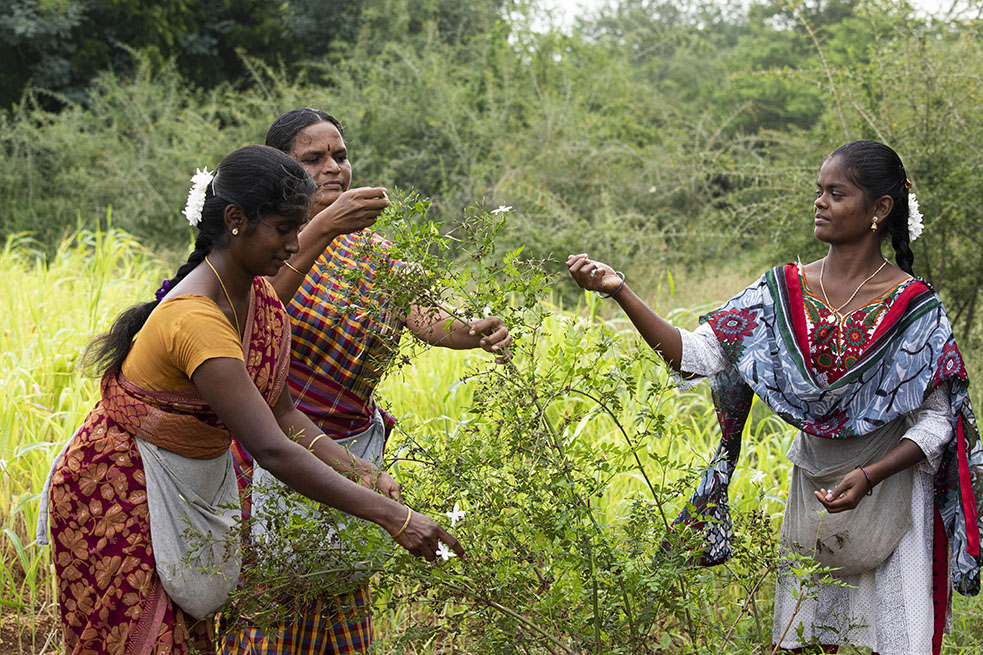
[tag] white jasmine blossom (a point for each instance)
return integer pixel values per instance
(915, 225)
(758, 476)
(455, 514)
(502, 209)
(196, 196)
(444, 552)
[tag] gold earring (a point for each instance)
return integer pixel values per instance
(235, 231)
(873, 224)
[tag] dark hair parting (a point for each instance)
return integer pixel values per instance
(284, 129)
(260, 181)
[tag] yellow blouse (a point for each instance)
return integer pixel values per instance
(180, 334)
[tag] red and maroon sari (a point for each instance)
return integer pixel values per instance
(110, 597)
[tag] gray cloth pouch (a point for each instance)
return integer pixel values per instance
(856, 540)
(194, 507)
(44, 506)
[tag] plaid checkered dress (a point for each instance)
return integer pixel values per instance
(335, 625)
(343, 335)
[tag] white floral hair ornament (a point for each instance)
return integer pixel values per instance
(196, 197)
(915, 225)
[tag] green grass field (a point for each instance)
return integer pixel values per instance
(51, 308)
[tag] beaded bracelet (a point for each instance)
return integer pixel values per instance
(870, 485)
(622, 276)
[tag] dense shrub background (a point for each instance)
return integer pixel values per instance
(658, 133)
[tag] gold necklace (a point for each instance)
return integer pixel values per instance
(226, 291)
(836, 310)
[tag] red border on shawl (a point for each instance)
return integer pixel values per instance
(796, 309)
(966, 490)
(899, 306)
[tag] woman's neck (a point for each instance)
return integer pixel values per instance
(237, 280)
(854, 260)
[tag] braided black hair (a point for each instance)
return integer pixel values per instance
(261, 182)
(877, 170)
(284, 129)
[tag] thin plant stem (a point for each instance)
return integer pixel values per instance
(747, 603)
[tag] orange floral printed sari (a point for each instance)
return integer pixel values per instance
(110, 596)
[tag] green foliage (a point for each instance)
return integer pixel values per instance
(682, 135)
(557, 443)
(671, 134)
(554, 562)
(58, 47)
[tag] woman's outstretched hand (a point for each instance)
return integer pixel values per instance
(376, 479)
(421, 535)
(493, 336)
(847, 494)
(354, 210)
(593, 275)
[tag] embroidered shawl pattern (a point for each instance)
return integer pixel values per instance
(762, 332)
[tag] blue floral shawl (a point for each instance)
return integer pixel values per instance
(762, 332)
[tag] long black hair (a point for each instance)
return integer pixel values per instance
(284, 129)
(877, 170)
(261, 182)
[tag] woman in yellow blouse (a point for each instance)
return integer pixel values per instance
(153, 456)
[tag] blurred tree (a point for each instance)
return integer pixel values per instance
(60, 46)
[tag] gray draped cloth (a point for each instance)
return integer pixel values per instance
(845, 540)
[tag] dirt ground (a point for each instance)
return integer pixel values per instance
(19, 637)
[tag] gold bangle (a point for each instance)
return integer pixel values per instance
(310, 446)
(290, 266)
(409, 515)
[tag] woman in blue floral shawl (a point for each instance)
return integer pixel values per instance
(859, 355)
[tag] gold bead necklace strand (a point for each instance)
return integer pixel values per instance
(227, 297)
(836, 310)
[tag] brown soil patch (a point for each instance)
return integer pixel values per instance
(20, 635)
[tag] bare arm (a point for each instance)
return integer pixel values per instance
(354, 210)
(293, 422)
(854, 486)
(924, 440)
(657, 332)
(439, 327)
(225, 384)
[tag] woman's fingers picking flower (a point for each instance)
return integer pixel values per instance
(448, 539)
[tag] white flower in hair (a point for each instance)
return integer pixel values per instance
(915, 225)
(196, 197)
